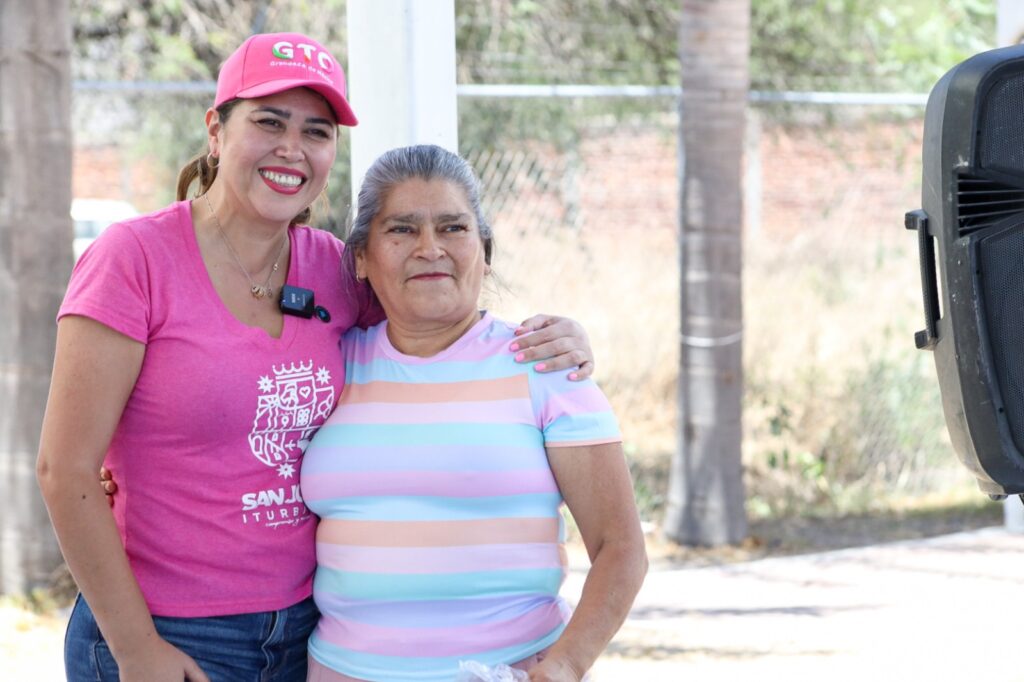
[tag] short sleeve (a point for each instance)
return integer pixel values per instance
(110, 284)
(572, 413)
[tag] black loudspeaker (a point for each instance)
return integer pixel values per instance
(973, 211)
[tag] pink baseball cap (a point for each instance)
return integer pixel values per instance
(268, 63)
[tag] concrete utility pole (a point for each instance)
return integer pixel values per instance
(401, 68)
(35, 259)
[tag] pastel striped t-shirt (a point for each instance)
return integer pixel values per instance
(441, 531)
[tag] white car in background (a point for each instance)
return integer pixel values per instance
(92, 216)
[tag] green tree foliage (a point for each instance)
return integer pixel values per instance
(831, 45)
(559, 42)
(181, 41)
(870, 45)
(864, 45)
(567, 41)
(796, 44)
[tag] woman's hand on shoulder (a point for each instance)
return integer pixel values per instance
(560, 342)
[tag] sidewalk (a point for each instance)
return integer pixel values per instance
(946, 608)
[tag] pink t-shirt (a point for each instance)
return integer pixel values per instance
(207, 451)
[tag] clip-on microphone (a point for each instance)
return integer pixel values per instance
(299, 302)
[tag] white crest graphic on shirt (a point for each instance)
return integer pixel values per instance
(294, 403)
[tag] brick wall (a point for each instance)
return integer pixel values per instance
(861, 176)
(106, 172)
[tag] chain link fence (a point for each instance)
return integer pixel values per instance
(840, 409)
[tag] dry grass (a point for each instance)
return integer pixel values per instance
(31, 643)
(623, 286)
(841, 412)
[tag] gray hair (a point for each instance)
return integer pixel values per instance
(424, 162)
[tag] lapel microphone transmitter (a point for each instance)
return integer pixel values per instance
(299, 302)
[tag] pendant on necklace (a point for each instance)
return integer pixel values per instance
(261, 292)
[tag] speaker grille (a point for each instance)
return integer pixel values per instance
(982, 203)
(1002, 135)
(1002, 289)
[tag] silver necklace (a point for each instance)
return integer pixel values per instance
(257, 291)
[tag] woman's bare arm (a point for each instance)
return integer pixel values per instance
(595, 483)
(94, 372)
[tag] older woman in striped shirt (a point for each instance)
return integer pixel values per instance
(440, 477)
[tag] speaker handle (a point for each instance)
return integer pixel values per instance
(927, 337)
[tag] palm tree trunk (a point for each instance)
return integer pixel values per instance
(35, 259)
(706, 498)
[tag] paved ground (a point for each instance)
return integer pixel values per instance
(947, 608)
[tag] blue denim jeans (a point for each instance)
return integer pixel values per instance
(252, 647)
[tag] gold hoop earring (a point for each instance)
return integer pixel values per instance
(212, 161)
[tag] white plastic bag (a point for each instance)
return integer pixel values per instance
(474, 671)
